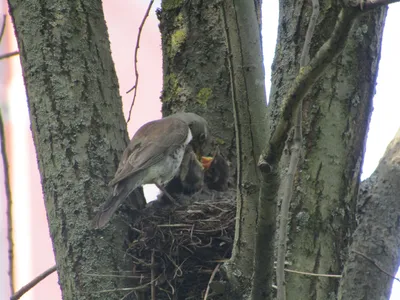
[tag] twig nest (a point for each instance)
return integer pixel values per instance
(175, 249)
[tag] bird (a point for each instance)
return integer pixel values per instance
(191, 173)
(153, 155)
(216, 174)
(190, 177)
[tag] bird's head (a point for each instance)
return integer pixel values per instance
(199, 128)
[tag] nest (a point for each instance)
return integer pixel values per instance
(177, 250)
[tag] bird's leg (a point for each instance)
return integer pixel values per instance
(167, 194)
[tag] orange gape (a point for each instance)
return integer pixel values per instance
(206, 162)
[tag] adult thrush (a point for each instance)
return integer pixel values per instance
(153, 155)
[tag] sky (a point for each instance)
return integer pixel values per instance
(385, 118)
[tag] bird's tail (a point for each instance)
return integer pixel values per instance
(106, 211)
(121, 192)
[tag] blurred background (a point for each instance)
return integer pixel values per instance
(33, 248)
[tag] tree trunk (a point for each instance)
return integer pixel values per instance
(195, 67)
(209, 69)
(374, 254)
(336, 113)
(79, 133)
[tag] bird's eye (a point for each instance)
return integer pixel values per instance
(202, 137)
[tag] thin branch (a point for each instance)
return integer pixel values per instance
(211, 280)
(153, 286)
(313, 274)
(34, 282)
(9, 205)
(3, 27)
(112, 275)
(287, 197)
(7, 55)
(376, 265)
(131, 289)
(135, 87)
(2, 30)
(7, 184)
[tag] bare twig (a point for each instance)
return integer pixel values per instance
(175, 225)
(135, 87)
(34, 282)
(111, 275)
(3, 27)
(131, 289)
(376, 265)
(313, 274)
(153, 286)
(7, 55)
(8, 206)
(211, 280)
(2, 30)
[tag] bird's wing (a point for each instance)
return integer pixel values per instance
(149, 145)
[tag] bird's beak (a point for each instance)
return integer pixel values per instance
(198, 150)
(206, 162)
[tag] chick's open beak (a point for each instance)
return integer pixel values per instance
(206, 162)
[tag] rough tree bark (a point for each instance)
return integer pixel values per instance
(374, 255)
(215, 47)
(195, 67)
(336, 113)
(79, 133)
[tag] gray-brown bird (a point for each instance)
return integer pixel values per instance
(153, 155)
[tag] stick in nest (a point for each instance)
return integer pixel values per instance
(211, 279)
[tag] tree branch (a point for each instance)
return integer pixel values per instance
(287, 197)
(249, 111)
(211, 280)
(376, 265)
(371, 4)
(377, 232)
(2, 30)
(135, 86)
(3, 27)
(303, 83)
(7, 55)
(9, 205)
(292, 103)
(76, 151)
(34, 282)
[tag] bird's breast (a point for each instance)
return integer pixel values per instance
(172, 164)
(166, 169)
(189, 137)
